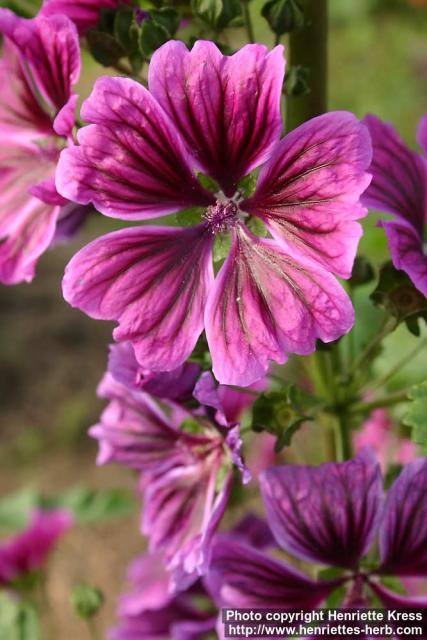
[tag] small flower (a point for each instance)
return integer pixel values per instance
(185, 457)
(84, 13)
(330, 515)
(39, 66)
(399, 187)
(220, 115)
(28, 550)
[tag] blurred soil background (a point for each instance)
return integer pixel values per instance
(52, 357)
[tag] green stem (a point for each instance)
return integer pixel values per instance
(93, 634)
(309, 48)
(343, 438)
(248, 20)
(399, 365)
(385, 401)
(388, 325)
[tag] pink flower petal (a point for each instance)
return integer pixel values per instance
(154, 281)
(227, 108)
(308, 191)
(131, 163)
(265, 304)
(399, 184)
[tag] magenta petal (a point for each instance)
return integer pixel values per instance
(227, 108)
(84, 13)
(403, 536)
(151, 586)
(422, 133)
(132, 430)
(265, 304)
(131, 163)
(20, 111)
(328, 514)
(50, 49)
(175, 385)
(393, 600)
(308, 191)
(28, 550)
(154, 281)
(406, 248)
(241, 576)
(399, 183)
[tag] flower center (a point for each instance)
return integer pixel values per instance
(222, 216)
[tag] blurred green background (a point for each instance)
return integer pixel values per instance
(52, 357)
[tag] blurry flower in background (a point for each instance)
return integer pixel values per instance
(185, 455)
(28, 550)
(390, 448)
(330, 515)
(399, 187)
(40, 64)
(84, 13)
(135, 162)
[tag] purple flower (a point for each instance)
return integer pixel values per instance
(27, 551)
(136, 161)
(153, 612)
(84, 13)
(186, 459)
(399, 187)
(330, 515)
(175, 385)
(39, 66)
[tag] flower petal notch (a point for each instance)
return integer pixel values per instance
(327, 514)
(227, 108)
(131, 162)
(120, 276)
(308, 191)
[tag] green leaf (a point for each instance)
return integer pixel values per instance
(104, 47)
(283, 412)
(89, 505)
(247, 184)
(231, 15)
(283, 16)
(416, 414)
(167, 17)
(189, 217)
(363, 272)
(257, 227)
(86, 600)
(123, 22)
(153, 35)
(207, 182)
(297, 80)
(18, 620)
(208, 10)
(398, 297)
(221, 247)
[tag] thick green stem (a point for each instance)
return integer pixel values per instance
(309, 48)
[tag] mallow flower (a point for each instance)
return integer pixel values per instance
(137, 160)
(185, 457)
(153, 611)
(84, 13)
(40, 64)
(27, 551)
(399, 187)
(330, 515)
